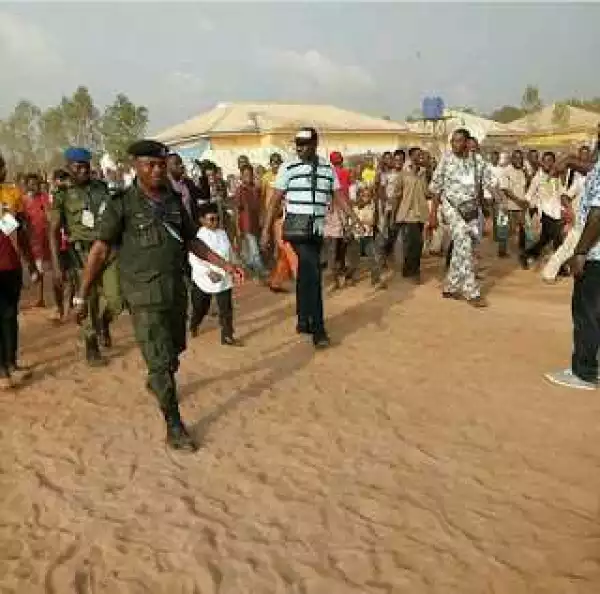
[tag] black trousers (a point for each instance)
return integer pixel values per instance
(585, 310)
(551, 233)
(412, 248)
(309, 287)
(11, 282)
(201, 305)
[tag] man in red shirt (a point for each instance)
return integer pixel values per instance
(343, 175)
(35, 211)
(248, 204)
(12, 246)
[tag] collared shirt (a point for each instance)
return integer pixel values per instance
(294, 180)
(412, 196)
(368, 175)
(545, 194)
(218, 241)
(248, 203)
(457, 179)
(514, 180)
(497, 171)
(589, 200)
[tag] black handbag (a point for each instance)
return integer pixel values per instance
(300, 228)
(469, 210)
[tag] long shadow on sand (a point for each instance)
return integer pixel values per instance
(286, 362)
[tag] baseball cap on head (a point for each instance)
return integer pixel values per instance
(306, 136)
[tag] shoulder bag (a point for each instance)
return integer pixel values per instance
(469, 210)
(300, 228)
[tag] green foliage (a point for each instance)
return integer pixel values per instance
(32, 139)
(560, 115)
(506, 114)
(122, 123)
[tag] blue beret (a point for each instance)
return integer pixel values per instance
(149, 148)
(78, 155)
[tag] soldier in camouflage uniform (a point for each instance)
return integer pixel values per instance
(78, 209)
(154, 233)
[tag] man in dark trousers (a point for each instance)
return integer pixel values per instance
(307, 186)
(154, 233)
(585, 305)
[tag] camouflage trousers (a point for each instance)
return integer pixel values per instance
(161, 336)
(105, 296)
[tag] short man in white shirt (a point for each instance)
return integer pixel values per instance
(545, 193)
(209, 280)
(513, 183)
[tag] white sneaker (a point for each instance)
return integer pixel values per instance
(567, 379)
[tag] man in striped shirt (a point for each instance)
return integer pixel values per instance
(307, 186)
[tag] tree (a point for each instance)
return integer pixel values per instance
(81, 120)
(506, 114)
(122, 123)
(20, 136)
(531, 101)
(561, 115)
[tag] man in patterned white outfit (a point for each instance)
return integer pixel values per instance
(457, 186)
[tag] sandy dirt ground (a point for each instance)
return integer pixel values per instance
(423, 454)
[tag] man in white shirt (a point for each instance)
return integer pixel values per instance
(209, 280)
(545, 194)
(513, 184)
(572, 200)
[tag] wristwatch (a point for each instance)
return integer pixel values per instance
(78, 301)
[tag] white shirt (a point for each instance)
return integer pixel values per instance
(575, 192)
(497, 173)
(219, 243)
(545, 194)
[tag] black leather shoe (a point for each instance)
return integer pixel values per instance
(105, 336)
(92, 353)
(178, 437)
(321, 341)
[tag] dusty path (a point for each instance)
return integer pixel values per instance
(424, 454)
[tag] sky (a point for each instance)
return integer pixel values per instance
(180, 59)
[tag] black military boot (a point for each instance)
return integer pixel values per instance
(92, 352)
(178, 437)
(105, 336)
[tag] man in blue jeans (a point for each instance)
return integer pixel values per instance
(307, 186)
(585, 307)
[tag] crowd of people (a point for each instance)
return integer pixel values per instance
(165, 242)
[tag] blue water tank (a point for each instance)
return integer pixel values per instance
(433, 108)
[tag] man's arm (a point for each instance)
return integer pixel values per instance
(591, 232)
(55, 221)
(272, 209)
(24, 245)
(200, 249)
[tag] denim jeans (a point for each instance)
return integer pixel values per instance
(251, 255)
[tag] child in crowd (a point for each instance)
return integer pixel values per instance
(248, 204)
(209, 280)
(364, 207)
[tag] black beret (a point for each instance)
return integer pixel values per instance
(148, 148)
